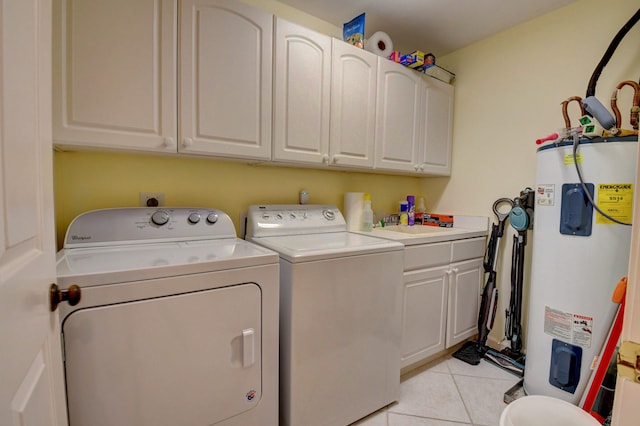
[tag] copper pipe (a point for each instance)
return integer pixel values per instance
(635, 108)
(565, 114)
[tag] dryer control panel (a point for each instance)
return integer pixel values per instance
(293, 219)
(147, 225)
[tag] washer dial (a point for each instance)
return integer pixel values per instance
(160, 217)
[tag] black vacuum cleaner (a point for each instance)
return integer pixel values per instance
(520, 211)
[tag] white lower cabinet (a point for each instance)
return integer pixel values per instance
(425, 300)
(441, 297)
(465, 286)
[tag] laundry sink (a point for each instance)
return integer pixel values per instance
(465, 227)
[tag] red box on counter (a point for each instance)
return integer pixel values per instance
(441, 220)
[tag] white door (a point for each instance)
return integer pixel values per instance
(424, 314)
(398, 117)
(114, 71)
(626, 409)
(465, 286)
(225, 79)
(437, 128)
(31, 384)
(354, 80)
(302, 86)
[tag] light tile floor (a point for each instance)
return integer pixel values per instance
(447, 392)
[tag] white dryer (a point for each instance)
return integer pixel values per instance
(340, 313)
(177, 322)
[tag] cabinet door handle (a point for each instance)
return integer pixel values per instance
(336, 159)
(169, 143)
(325, 159)
(455, 270)
(187, 142)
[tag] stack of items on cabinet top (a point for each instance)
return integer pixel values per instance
(380, 44)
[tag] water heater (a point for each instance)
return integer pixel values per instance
(578, 257)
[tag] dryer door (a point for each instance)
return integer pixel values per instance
(193, 358)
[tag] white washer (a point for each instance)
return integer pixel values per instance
(340, 309)
(177, 322)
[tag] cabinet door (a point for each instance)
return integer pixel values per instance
(301, 94)
(437, 128)
(398, 117)
(225, 79)
(424, 313)
(465, 288)
(353, 106)
(114, 74)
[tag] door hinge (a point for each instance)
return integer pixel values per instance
(629, 361)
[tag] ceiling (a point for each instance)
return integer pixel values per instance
(436, 26)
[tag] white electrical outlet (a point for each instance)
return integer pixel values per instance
(151, 199)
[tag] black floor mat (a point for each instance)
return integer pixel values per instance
(470, 353)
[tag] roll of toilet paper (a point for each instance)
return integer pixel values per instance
(379, 43)
(353, 204)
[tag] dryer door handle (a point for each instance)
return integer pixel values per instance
(248, 347)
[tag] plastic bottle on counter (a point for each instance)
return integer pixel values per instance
(411, 210)
(404, 216)
(367, 214)
(420, 211)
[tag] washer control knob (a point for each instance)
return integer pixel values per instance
(194, 218)
(292, 216)
(279, 216)
(329, 214)
(212, 218)
(160, 218)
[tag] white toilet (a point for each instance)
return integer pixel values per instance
(537, 410)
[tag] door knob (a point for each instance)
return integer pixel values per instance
(56, 296)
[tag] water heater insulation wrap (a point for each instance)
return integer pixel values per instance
(573, 274)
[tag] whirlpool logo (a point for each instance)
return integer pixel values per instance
(80, 237)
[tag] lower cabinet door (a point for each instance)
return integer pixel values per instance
(465, 287)
(424, 314)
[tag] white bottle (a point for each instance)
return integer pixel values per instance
(367, 214)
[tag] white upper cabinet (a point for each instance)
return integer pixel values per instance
(398, 117)
(354, 82)
(222, 78)
(437, 128)
(225, 79)
(414, 121)
(114, 74)
(302, 85)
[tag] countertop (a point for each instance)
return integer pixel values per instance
(463, 227)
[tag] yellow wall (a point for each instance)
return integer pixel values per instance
(508, 92)
(92, 180)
